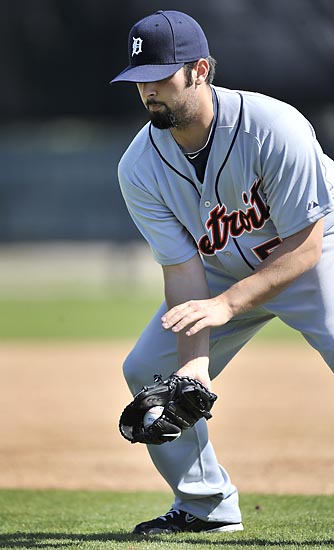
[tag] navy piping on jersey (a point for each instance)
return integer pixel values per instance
(168, 163)
(222, 168)
(218, 174)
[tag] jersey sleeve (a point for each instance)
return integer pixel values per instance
(168, 239)
(298, 179)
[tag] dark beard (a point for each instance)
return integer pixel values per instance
(166, 118)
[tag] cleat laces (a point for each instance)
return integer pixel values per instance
(172, 513)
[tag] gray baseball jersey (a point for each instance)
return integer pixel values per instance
(266, 178)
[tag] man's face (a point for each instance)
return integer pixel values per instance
(171, 103)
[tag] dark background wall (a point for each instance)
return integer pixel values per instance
(63, 128)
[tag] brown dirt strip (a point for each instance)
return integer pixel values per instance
(272, 427)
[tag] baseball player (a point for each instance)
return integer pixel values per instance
(235, 197)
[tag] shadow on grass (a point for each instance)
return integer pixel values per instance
(66, 540)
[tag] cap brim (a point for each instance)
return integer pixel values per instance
(147, 73)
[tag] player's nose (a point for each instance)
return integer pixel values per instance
(148, 89)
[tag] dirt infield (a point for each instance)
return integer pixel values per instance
(272, 427)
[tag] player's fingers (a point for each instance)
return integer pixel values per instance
(187, 320)
(175, 315)
(197, 327)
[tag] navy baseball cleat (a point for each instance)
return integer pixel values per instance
(177, 521)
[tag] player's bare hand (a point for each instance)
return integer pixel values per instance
(196, 315)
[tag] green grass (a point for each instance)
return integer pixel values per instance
(84, 520)
(112, 317)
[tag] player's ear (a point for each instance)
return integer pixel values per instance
(202, 70)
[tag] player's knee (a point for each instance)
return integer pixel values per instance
(128, 370)
(133, 373)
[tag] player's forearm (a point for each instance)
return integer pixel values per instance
(184, 282)
(295, 256)
(193, 356)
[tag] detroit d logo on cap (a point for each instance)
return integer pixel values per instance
(136, 46)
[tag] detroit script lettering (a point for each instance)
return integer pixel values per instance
(222, 225)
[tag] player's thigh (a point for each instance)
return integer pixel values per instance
(228, 340)
(154, 353)
(320, 331)
(308, 304)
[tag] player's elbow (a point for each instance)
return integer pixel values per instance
(315, 254)
(312, 254)
(308, 245)
(316, 243)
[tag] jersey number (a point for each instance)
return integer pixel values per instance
(263, 250)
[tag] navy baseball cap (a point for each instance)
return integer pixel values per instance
(160, 44)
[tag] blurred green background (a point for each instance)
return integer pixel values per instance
(119, 315)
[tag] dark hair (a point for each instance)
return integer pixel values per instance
(188, 67)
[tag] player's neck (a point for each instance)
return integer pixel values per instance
(195, 136)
